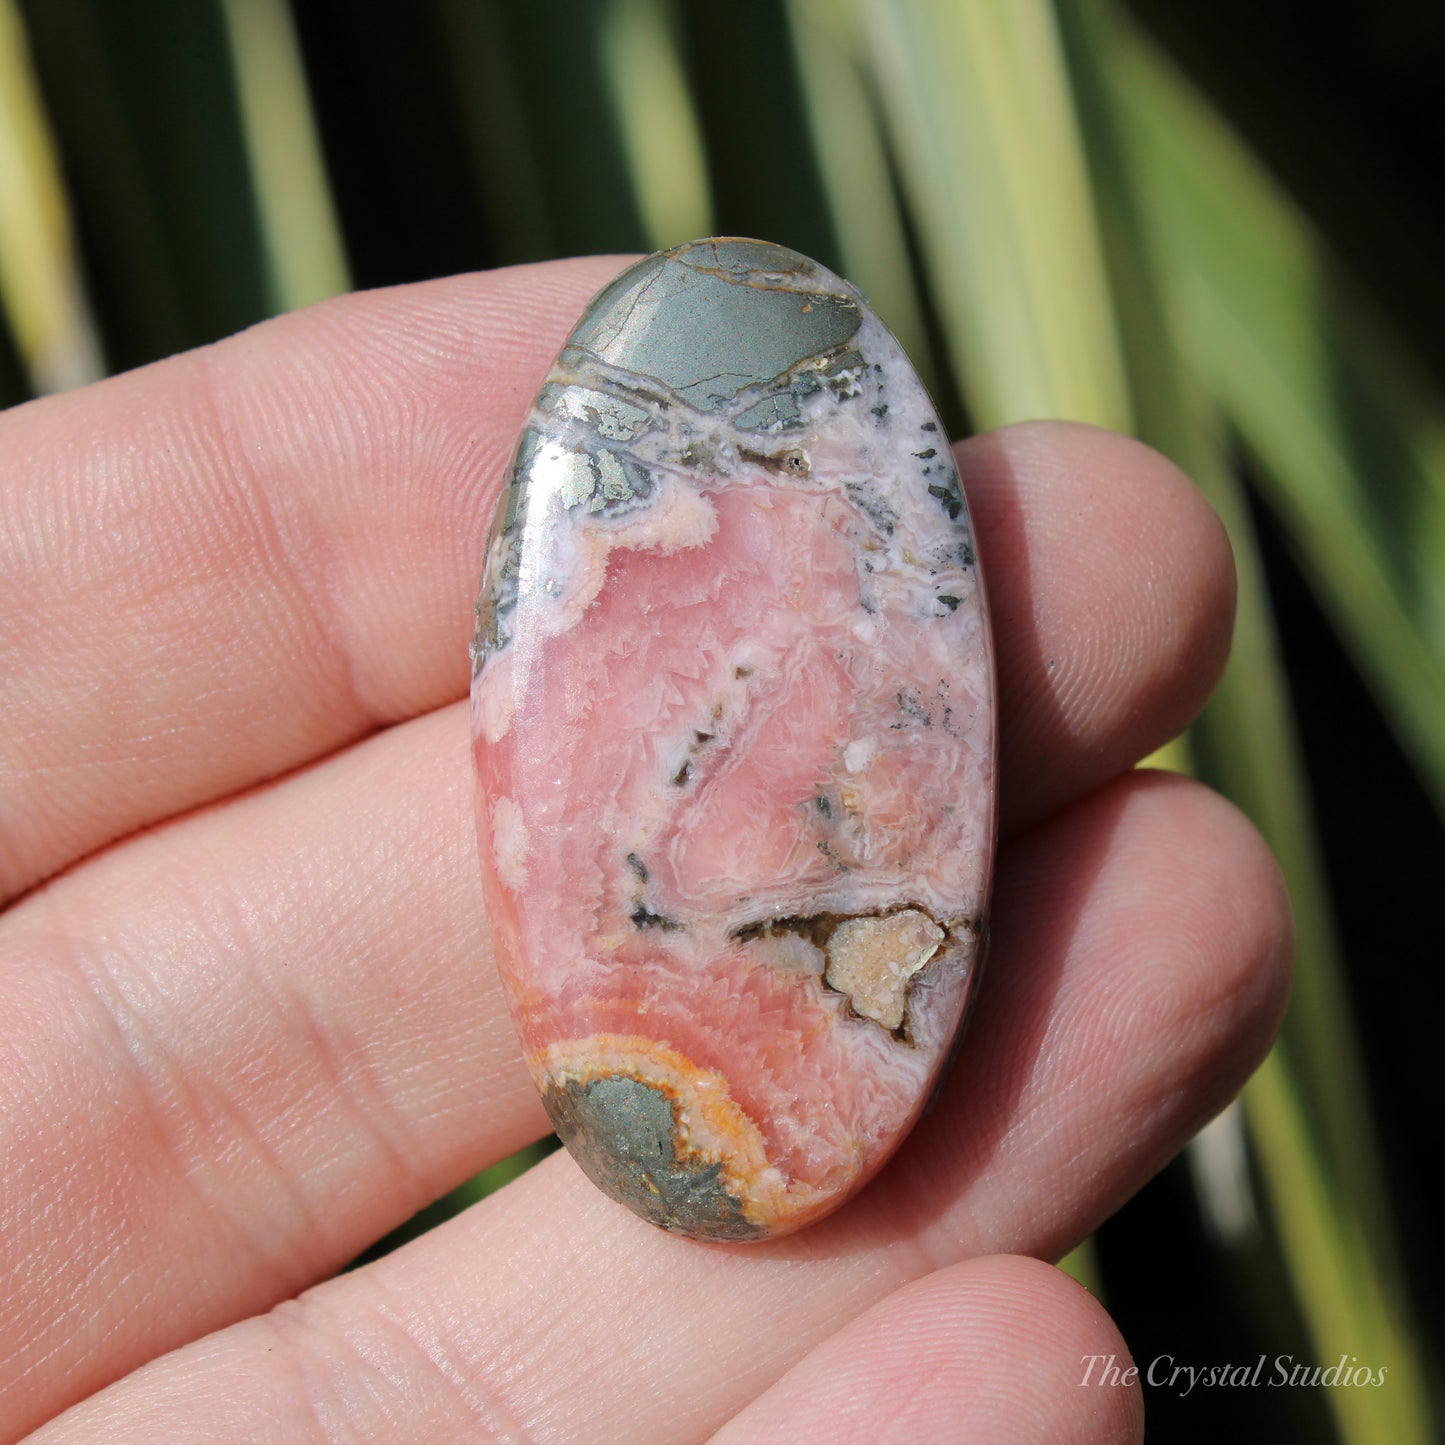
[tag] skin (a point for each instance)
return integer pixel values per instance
(248, 1020)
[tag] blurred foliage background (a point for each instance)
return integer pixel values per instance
(1216, 226)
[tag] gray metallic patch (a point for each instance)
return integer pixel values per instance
(778, 411)
(623, 1133)
(610, 417)
(710, 321)
(603, 481)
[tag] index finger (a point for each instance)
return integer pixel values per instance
(220, 566)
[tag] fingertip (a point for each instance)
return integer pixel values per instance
(1112, 587)
(995, 1348)
(1238, 927)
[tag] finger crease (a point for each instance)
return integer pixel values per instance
(296, 564)
(382, 1345)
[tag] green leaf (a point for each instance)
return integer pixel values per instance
(1346, 434)
(41, 287)
(661, 138)
(979, 101)
(305, 257)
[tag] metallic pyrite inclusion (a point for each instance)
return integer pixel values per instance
(733, 712)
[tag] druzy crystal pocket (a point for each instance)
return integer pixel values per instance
(733, 712)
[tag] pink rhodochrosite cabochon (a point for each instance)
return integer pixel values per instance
(733, 720)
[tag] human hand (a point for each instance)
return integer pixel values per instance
(248, 1017)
